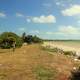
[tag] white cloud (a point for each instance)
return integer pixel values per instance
(47, 4)
(21, 29)
(44, 19)
(28, 20)
(58, 3)
(69, 30)
(65, 30)
(49, 33)
(19, 15)
(2, 15)
(35, 31)
(72, 11)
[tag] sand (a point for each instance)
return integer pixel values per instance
(63, 46)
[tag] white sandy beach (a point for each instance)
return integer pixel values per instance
(63, 46)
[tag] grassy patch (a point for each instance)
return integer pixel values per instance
(57, 50)
(3, 77)
(43, 73)
(51, 49)
(71, 53)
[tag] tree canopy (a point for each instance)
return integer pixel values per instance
(7, 38)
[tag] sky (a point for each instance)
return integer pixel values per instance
(48, 19)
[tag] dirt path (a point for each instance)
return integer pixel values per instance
(19, 65)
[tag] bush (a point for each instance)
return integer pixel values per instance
(7, 39)
(36, 39)
(71, 53)
(32, 39)
(75, 75)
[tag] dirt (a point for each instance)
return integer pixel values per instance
(19, 65)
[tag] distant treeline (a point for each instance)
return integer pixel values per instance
(60, 40)
(8, 38)
(31, 39)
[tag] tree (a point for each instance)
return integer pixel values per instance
(36, 39)
(7, 38)
(29, 39)
(23, 36)
(32, 39)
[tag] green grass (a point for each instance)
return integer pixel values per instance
(43, 73)
(71, 53)
(50, 49)
(57, 50)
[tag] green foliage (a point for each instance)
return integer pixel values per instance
(7, 39)
(23, 36)
(36, 39)
(43, 73)
(31, 39)
(71, 53)
(50, 49)
(57, 50)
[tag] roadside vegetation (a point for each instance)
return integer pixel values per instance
(31, 39)
(7, 39)
(75, 74)
(59, 51)
(43, 73)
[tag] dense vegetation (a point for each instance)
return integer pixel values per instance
(7, 39)
(31, 39)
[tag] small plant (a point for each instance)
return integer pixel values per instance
(71, 53)
(43, 73)
(57, 50)
(75, 74)
(78, 57)
(50, 49)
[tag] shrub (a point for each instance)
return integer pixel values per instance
(55, 49)
(7, 39)
(71, 53)
(75, 74)
(32, 39)
(36, 39)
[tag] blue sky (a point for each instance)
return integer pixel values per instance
(49, 19)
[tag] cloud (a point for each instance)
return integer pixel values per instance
(58, 3)
(19, 15)
(72, 11)
(2, 15)
(49, 33)
(44, 19)
(47, 5)
(65, 30)
(69, 30)
(28, 20)
(35, 31)
(21, 29)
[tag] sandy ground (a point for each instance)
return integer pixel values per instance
(19, 65)
(64, 46)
